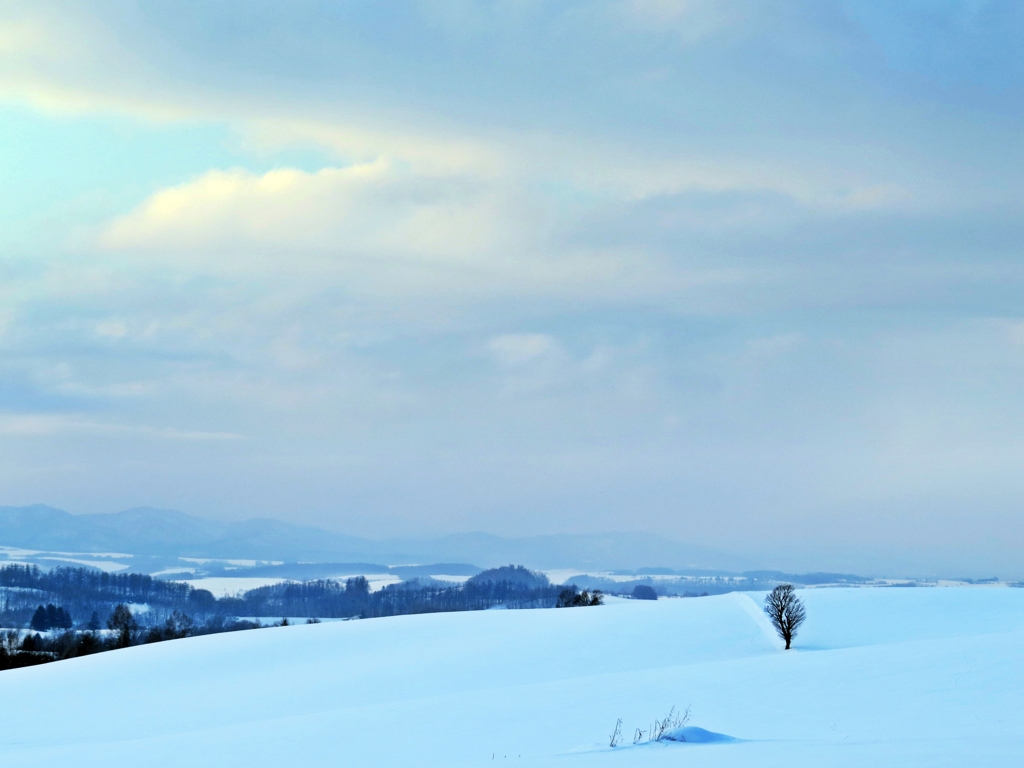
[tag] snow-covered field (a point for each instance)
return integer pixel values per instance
(880, 677)
(104, 561)
(229, 586)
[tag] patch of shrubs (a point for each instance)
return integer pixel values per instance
(571, 597)
(644, 592)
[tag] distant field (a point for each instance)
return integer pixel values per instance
(879, 677)
(230, 586)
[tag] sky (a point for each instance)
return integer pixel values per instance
(745, 274)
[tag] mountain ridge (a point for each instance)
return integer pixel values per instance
(164, 532)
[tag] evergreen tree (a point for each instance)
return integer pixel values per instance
(40, 620)
(57, 617)
(63, 619)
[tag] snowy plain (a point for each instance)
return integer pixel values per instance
(879, 677)
(231, 586)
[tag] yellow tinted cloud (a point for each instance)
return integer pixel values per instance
(371, 207)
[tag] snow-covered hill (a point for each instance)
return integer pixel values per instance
(880, 677)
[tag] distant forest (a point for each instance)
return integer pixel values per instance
(76, 611)
(82, 591)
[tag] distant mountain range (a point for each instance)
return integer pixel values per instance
(168, 533)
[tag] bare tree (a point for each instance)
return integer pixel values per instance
(786, 611)
(9, 641)
(122, 622)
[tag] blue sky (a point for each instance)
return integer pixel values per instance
(747, 274)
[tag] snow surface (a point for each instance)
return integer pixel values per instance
(229, 586)
(453, 578)
(18, 556)
(879, 677)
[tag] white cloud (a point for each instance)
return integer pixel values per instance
(419, 148)
(691, 20)
(373, 223)
(44, 425)
(113, 329)
(377, 229)
(517, 349)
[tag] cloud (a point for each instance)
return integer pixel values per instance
(45, 425)
(378, 229)
(78, 61)
(375, 225)
(362, 209)
(691, 20)
(20, 38)
(422, 149)
(516, 349)
(114, 329)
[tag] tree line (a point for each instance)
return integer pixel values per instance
(77, 611)
(81, 591)
(325, 598)
(121, 630)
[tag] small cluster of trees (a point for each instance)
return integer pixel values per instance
(324, 598)
(18, 651)
(571, 597)
(50, 617)
(644, 592)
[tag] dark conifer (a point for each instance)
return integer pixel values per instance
(40, 620)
